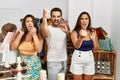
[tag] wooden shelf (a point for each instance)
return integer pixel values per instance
(111, 56)
(103, 77)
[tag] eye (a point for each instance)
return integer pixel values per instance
(81, 18)
(86, 18)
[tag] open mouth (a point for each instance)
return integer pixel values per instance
(56, 22)
(84, 24)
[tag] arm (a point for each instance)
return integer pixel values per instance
(65, 28)
(38, 41)
(16, 41)
(94, 38)
(44, 26)
(68, 35)
(76, 41)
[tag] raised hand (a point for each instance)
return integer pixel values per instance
(33, 31)
(21, 31)
(46, 12)
(64, 26)
(83, 33)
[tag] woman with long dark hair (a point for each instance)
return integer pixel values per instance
(29, 42)
(85, 41)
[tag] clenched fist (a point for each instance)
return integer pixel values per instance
(83, 33)
(46, 12)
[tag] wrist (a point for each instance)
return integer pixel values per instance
(34, 34)
(44, 17)
(82, 37)
(21, 34)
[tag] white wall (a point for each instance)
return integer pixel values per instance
(76, 7)
(115, 31)
(102, 14)
(19, 8)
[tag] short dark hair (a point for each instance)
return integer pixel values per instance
(56, 9)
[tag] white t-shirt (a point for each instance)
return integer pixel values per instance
(56, 45)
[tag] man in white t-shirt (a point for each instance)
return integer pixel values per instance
(56, 38)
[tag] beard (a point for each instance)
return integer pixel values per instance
(56, 23)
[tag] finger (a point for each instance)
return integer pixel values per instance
(22, 29)
(18, 29)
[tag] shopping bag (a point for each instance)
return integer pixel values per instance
(101, 33)
(9, 56)
(105, 44)
(7, 40)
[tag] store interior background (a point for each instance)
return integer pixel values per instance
(104, 13)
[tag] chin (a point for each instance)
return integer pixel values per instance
(57, 24)
(84, 27)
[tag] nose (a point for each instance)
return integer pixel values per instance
(30, 24)
(55, 18)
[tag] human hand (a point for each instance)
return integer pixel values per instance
(64, 27)
(33, 31)
(46, 12)
(92, 35)
(20, 30)
(83, 33)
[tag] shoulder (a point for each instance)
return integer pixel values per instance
(73, 33)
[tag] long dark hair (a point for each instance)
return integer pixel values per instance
(25, 28)
(78, 26)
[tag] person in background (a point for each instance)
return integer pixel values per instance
(8, 27)
(6, 56)
(56, 38)
(29, 42)
(85, 41)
